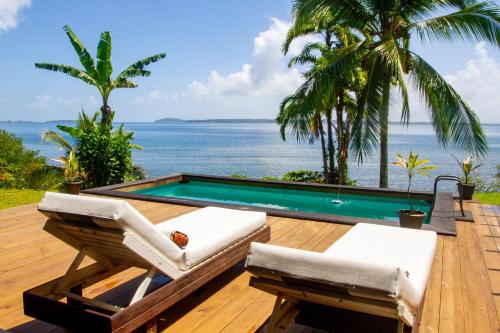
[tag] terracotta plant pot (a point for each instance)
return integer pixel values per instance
(412, 221)
(468, 190)
(73, 187)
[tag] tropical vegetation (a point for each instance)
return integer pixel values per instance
(98, 73)
(467, 166)
(299, 176)
(383, 49)
(413, 167)
(307, 115)
(24, 168)
(103, 155)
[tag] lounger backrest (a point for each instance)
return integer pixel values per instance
(110, 214)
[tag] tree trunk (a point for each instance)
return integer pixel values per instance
(384, 129)
(347, 139)
(331, 148)
(105, 113)
(323, 145)
(341, 160)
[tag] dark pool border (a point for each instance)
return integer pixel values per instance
(443, 221)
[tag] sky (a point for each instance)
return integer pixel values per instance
(223, 60)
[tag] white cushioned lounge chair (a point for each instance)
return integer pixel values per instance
(117, 237)
(375, 269)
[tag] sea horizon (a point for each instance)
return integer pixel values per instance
(255, 149)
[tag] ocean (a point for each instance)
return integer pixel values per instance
(256, 150)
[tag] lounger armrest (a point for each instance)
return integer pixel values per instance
(275, 261)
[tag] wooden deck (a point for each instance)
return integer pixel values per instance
(463, 294)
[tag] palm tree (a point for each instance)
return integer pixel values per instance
(100, 75)
(333, 102)
(384, 51)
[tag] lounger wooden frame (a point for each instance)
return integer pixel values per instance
(106, 247)
(290, 290)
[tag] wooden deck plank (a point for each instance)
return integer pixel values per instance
(430, 315)
(463, 294)
(451, 317)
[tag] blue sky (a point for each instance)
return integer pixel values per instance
(223, 60)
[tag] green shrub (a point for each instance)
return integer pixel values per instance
(104, 154)
(137, 173)
(23, 168)
(237, 175)
(271, 178)
(484, 184)
(304, 176)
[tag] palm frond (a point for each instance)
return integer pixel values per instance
(72, 131)
(104, 66)
(124, 83)
(57, 139)
(292, 116)
(452, 118)
(137, 68)
(477, 22)
(71, 71)
(352, 13)
(306, 56)
(390, 55)
(365, 123)
(84, 56)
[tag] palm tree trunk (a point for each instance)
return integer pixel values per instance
(323, 145)
(331, 148)
(340, 140)
(384, 129)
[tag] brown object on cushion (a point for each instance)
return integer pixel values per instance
(179, 238)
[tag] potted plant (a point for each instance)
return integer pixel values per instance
(412, 218)
(73, 175)
(467, 187)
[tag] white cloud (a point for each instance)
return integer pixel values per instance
(155, 95)
(41, 102)
(92, 100)
(479, 84)
(45, 102)
(253, 91)
(67, 101)
(9, 12)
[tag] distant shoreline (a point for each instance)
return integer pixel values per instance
(178, 120)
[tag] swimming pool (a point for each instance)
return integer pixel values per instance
(330, 203)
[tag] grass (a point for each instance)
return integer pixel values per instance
(12, 198)
(492, 198)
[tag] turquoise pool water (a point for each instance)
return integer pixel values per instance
(374, 207)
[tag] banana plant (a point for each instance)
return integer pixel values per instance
(98, 73)
(413, 167)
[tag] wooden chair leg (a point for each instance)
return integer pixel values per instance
(77, 290)
(284, 312)
(143, 287)
(401, 326)
(152, 326)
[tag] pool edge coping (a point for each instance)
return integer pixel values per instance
(443, 220)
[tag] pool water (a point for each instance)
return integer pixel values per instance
(354, 205)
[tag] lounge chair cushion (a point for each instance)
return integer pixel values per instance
(412, 251)
(211, 230)
(108, 213)
(370, 260)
